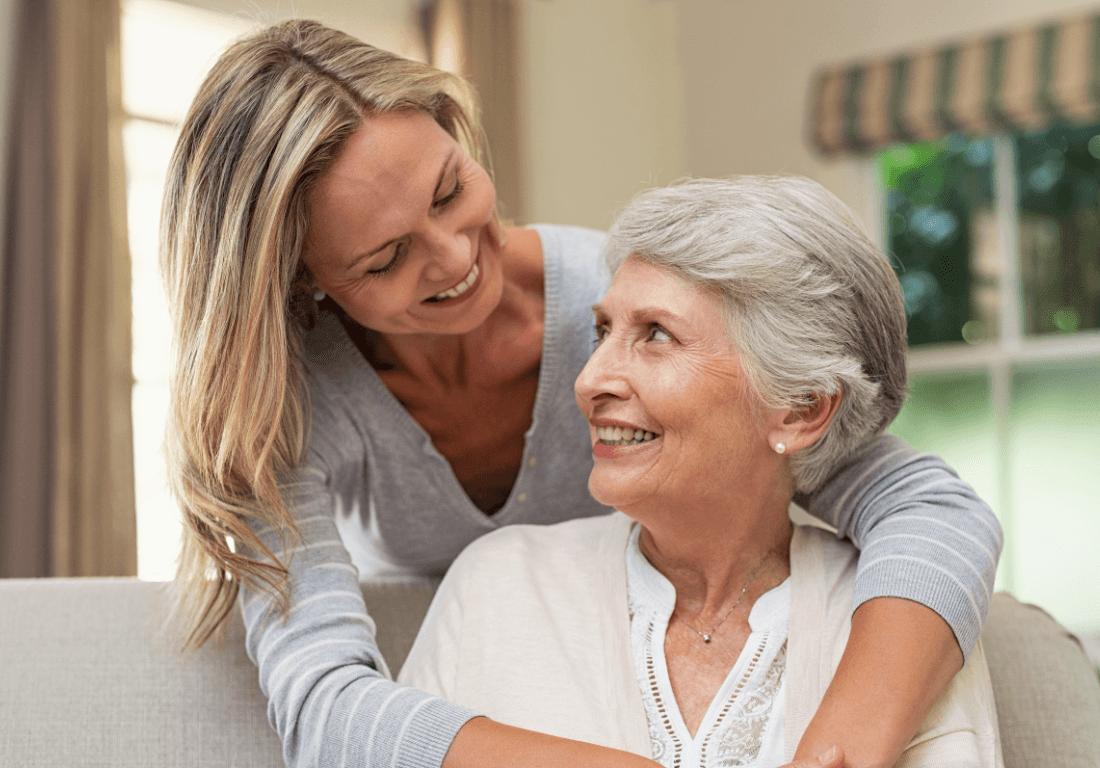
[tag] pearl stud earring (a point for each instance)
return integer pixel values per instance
(780, 447)
(318, 295)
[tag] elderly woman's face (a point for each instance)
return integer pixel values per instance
(665, 374)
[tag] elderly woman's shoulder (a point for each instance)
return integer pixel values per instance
(567, 538)
(822, 547)
(544, 551)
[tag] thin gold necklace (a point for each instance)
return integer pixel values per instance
(752, 577)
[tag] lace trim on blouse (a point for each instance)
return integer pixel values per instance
(744, 724)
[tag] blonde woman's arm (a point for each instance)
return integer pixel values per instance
(330, 696)
(329, 693)
(929, 556)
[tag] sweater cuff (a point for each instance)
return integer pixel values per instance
(925, 583)
(423, 740)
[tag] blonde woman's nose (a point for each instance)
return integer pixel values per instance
(450, 255)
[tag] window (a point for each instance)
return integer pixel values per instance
(166, 49)
(997, 246)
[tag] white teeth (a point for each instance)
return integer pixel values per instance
(621, 436)
(461, 288)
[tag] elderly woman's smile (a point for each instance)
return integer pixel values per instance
(664, 392)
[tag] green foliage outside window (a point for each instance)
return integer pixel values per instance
(938, 196)
(942, 234)
(1058, 194)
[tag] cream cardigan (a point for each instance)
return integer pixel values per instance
(531, 628)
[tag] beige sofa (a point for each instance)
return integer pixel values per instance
(88, 678)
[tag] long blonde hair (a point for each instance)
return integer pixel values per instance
(268, 121)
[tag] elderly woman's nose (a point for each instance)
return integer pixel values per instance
(602, 375)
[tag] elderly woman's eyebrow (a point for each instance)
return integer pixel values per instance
(642, 314)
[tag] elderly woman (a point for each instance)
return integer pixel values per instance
(751, 339)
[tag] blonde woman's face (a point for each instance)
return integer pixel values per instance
(399, 230)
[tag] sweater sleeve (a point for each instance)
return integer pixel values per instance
(923, 533)
(330, 696)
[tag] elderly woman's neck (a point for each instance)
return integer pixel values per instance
(711, 564)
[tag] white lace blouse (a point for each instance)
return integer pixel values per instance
(744, 723)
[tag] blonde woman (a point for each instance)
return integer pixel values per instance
(371, 373)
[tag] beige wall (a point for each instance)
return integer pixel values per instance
(604, 96)
(385, 23)
(747, 65)
(628, 92)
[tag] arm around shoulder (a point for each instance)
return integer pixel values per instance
(962, 728)
(329, 696)
(924, 534)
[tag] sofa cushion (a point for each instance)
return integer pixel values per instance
(1047, 692)
(88, 678)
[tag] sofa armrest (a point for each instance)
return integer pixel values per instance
(1047, 692)
(88, 677)
(398, 607)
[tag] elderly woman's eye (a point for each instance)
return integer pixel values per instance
(657, 333)
(601, 333)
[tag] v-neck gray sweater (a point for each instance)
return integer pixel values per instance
(375, 499)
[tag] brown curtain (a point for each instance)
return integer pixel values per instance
(486, 34)
(27, 308)
(71, 238)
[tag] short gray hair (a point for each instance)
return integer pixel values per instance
(812, 304)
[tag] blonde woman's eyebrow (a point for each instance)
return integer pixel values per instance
(442, 173)
(435, 193)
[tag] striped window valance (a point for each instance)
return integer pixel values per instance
(1016, 81)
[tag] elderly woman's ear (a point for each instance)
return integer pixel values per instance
(798, 428)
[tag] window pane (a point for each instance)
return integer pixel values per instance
(942, 234)
(1054, 458)
(1058, 182)
(951, 415)
(148, 147)
(166, 49)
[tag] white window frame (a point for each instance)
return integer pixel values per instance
(997, 357)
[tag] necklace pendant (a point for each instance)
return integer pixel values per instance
(706, 638)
